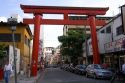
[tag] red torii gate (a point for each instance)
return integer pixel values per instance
(38, 20)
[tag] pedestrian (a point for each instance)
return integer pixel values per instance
(7, 71)
(42, 66)
(123, 68)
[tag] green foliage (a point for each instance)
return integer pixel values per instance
(2, 49)
(71, 45)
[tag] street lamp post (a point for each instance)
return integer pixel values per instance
(13, 22)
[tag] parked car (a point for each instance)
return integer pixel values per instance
(65, 67)
(80, 69)
(97, 71)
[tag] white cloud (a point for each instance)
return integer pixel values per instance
(4, 19)
(27, 16)
(87, 3)
(52, 16)
(114, 6)
(51, 33)
(51, 43)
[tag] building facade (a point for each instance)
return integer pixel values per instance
(82, 27)
(86, 30)
(111, 42)
(48, 53)
(56, 58)
(23, 36)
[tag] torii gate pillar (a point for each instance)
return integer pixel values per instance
(96, 57)
(35, 51)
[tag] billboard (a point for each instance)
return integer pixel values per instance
(123, 16)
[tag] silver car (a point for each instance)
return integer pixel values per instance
(97, 71)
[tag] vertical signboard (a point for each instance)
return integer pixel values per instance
(123, 16)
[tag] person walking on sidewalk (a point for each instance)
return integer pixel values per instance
(7, 71)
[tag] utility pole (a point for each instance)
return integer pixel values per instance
(13, 22)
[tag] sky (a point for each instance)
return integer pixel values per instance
(49, 33)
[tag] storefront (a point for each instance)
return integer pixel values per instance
(115, 60)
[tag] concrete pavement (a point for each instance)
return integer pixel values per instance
(55, 75)
(25, 79)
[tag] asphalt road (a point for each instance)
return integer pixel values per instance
(56, 75)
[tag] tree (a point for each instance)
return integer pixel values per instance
(2, 54)
(71, 44)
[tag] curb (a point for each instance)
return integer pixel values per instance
(39, 75)
(26, 80)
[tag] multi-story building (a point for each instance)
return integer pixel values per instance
(23, 37)
(40, 50)
(48, 52)
(85, 28)
(56, 58)
(82, 27)
(111, 41)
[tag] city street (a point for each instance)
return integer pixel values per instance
(55, 75)
(64, 41)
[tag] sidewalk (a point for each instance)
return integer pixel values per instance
(25, 79)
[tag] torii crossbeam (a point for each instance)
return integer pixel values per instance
(38, 11)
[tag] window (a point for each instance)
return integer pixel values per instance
(119, 30)
(103, 31)
(27, 41)
(8, 37)
(108, 29)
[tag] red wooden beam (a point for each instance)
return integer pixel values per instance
(78, 12)
(62, 10)
(64, 22)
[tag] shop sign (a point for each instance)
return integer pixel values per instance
(116, 45)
